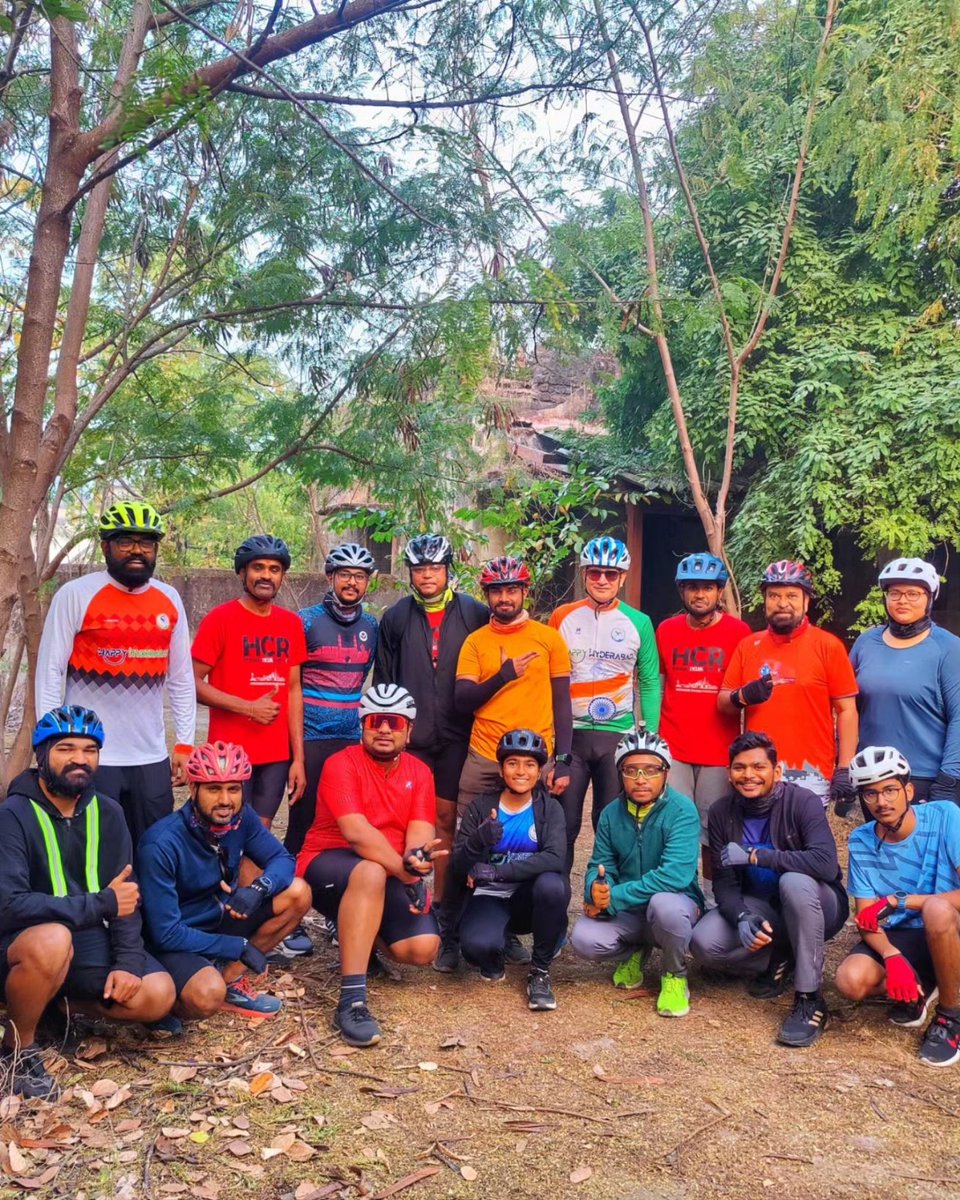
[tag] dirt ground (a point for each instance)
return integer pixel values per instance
(471, 1095)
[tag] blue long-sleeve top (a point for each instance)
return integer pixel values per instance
(911, 699)
(180, 874)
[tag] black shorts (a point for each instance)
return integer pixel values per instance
(328, 875)
(91, 964)
(912, 944)
(446, 763)
(182, 965)
(265, 788)
(144, 792)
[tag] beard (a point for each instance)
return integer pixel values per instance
(71, 783)
(131, 575)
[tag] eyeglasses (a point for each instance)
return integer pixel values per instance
(394, 722)
(889, 793)
(643, 772)
(914, 595)
(599, 575)
(125, 542)
(351, 576)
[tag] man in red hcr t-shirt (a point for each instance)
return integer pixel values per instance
(695, 647)
(246, 662)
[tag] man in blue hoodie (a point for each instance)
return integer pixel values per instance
(64, 930)
(640, 887)
(202, 925)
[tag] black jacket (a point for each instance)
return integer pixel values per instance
(801, 838)
(26, 890)
(404, 657)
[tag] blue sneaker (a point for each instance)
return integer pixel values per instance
(297, 944)
(242, 999)
(170, 1025)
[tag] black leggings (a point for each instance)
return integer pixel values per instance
(539, 905)
(302, 814)
(592, 763)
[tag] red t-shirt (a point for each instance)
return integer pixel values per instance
(435, 621)
(248, 655)
(810, 669)
(354, 782)
(693, 662)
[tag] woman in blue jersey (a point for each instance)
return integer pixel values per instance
(508, 868)
(908, 671)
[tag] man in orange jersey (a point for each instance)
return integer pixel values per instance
(112, 642)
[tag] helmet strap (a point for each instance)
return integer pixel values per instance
(346, 614)
(893, 830)
(210, 831)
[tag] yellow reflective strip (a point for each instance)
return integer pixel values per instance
(54, 861)
(93, 846)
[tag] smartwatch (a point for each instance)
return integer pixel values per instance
(563, 759)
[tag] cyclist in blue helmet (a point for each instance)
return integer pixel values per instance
(69, 905)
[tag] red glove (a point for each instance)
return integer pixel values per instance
(869, 918)
(902, 983)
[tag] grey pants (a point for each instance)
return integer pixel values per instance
(807, 916)
(703, 785)
(479, 775)
(667, 922)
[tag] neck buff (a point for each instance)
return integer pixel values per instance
(637, 810)
(762, 804)
(915, 628)
(435, 605)
(341, 612)
(211, 833)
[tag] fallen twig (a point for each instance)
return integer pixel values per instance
(147, 1184)
(407, 1181)
(562, 1112)
(791, 1158)
(672, 1152)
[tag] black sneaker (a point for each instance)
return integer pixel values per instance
(941, 1042)
(807, 1020)
(28, 1076)
(514, 951)
(330, 931)
(357, 1026)
(912, 1016)
(539, 991)
(772, 982)
(448, 956)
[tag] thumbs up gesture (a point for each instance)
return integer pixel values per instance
(600, 889)
(490, 831)
(264, 710)
(126, 890)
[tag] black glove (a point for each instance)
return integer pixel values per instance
(253, 958)
(488, 833)
(843, 806)
(754, 692)
(748, 926)
(419, 895)
(734, 855)
(944, 787)
(417, 861)
(484, 872)
(840, 786)
(245, 901)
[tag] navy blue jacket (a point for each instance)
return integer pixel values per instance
(180, 875)
(26, 889)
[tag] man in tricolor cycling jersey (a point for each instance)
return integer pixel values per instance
(69, 905)
(614, 658)
(112, 641)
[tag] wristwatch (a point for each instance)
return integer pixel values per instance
(901, 899)
(563, 759)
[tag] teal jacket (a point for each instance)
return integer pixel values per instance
(661, 854)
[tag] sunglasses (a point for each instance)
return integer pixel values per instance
(643, 772)
(598, 575)
(394, 722)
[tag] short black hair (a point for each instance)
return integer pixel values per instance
(754, 741)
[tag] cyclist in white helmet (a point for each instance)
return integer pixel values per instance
(904, 877)
(369, 851)
(908, 672)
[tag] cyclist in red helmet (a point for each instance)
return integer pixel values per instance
(206, 927)
(794, 681)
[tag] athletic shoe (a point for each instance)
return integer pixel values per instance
(674, 998)
(912, 1016)
(772, 982)
(448, 956)
(806, 1022)
(297, 944)
(379, 968)
(559, 949)
(629, 974)
(28, 1076)
(170, 1025)
(941, 1042)
(539, 992)
(241, 998)
(514, 951)
(330, 931)
(494, 974)
(356, 1024)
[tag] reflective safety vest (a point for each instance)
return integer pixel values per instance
(58, 880)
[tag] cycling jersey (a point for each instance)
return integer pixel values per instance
(339, 655)
(612, 651)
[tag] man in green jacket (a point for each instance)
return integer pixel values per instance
(640, 888)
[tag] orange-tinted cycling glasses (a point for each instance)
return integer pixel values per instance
(395, 722)
(598, 574)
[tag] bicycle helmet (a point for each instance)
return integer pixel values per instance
(787, 573)
(352, 556)
(876, 763)
(641, 741)
(428, 548)
(388, 698)
(218, 762)
(911, 570)
(130, 516)
(262, 545)
(504, 570)
(702, 568)
(605, 552)
(522, 741)
(69, 720)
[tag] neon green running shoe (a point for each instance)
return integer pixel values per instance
(629, 974)
(674, 998)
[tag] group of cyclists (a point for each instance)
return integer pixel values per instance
(712, 752)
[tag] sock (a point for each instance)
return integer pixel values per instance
(952, 1013)
(352, 989)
